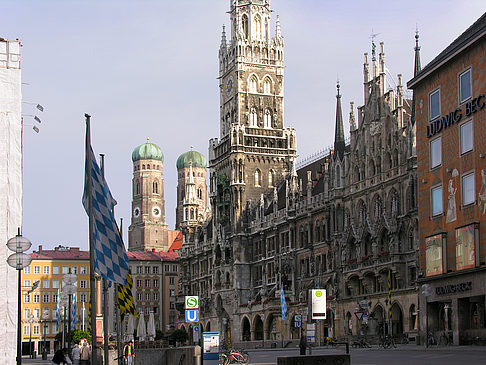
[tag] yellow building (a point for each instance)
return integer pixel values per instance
(39, 301)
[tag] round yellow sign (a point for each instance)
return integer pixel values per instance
(318, 293)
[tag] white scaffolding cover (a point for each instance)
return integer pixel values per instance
(10, 191)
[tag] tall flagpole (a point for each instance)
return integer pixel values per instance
(92, 279)
(105, 292)
(119, 327)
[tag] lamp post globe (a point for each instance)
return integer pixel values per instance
(18, 260)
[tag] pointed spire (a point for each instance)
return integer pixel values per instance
(278, 31)
(417, 66)
(339, 128)
(223, 38)
(416, 70)
(352, 119)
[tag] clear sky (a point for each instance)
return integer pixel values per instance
(149, 69)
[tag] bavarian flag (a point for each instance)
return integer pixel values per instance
(125, 298)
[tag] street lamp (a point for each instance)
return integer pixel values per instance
(19, 260)
(45, 317)
(69, 289)
(31, 320)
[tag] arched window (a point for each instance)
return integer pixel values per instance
(267, 119)
(266, 30)
(271, 178)
(258, 26)
(338, 176)
(253, 85)
(244, 25)
(199, 193)
(258, 177)
(137, 187)
(253, 118)
(155, 187)
(267, 86)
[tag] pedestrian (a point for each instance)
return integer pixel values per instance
(302, 343)
(76, 354)
(128, 353)
(85, 354)
(61, 357)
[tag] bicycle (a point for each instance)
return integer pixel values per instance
(431, 340)
(387, 342)
(445, 339)
(234, 357)
(361, 343)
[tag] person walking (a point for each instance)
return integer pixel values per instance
(302, 343)
(85, 354)
(128, 353)
(76, 354)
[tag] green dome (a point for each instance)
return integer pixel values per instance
(147, 151)
(197, 159)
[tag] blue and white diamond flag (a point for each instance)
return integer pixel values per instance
(111, 260)
(283, 302)
(74, 314)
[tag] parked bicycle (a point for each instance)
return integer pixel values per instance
(234, 357)
(431, 340)
(387, 341)
(445, 339)
(361, 343)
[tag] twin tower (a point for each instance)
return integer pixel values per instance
(148, 229)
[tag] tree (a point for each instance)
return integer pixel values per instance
(78, 335)
(179, 335)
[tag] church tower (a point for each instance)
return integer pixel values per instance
(254, 151)
(148, 229)
(191, 164)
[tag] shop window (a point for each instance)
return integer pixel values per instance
(435, 152)
(466, 137)
(434, 104)
(436, 203)
(468, 191)
(433, 255)
(465, 247)
(465, 86)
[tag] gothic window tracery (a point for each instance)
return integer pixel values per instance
(244, 25)
(338, 176)
(155, 187)
(267, 119)
(253, 118)
(258, 26)
(258, 177)
(253, 84)
(267, 86)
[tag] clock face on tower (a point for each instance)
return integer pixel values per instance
(229, 85)
(156, 211)
(136, 212)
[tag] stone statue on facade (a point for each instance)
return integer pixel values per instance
(451, 204)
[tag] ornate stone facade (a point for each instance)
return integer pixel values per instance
(345, 222)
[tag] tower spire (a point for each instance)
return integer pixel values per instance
(278, 31)
(339, 129)
(416, 70)
(223, 38)
(417, 66)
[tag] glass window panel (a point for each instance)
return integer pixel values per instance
(468, 191)
(433, 255)
(465, 250)
(435, 152)
(434, 104)
(466, 137)
(465, 85)
(437, 206)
